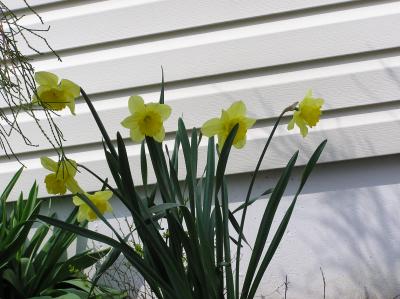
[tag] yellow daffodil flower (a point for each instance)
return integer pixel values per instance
(99, 199)
(55, 95)
(146, 119)
(62, 177)
(307, 114)
(236, 114)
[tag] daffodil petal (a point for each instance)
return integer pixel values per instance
(290, 125)
(99, 199)
(77, 201)
(221, 141)
(129, 122)
(71, 106)
(49, 164)
(46, 78)
(249, 122)
(303, 130)
(70, 87)
(83, 213)
(160, 135)
(240, 143)
(309, 93)
(164, 110)
(319, 101)
(225, 116)
(73, 186)
(211, 127)
(41, 89)
(81, 216)
(136, 104)
(103, 195)
(71, 167)
(302, 125)
(237, 109)
(220, 146)
(91, 215)
(54, 185)
(136, 135)
(109, 207)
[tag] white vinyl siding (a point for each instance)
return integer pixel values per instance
(266, 53)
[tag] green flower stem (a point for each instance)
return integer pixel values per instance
(253, 178)
(101, 180)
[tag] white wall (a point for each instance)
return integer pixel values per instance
(267, 53)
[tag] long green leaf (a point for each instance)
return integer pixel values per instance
(127, 185)
(99, 214)
(311, 164)
(99, 124)
(253, 200)
(282, 227)
(104, 266)
(209, 179)
(160, 170)
(223, 158)
(162, 87)
(266, 223)
(187, 154)
(162, 208)
(236, 226)
(149, 234)
(80, 261)
(230, 290)
(36, 241)
(204, 221)
(199, 260)
(113, 165)
(10, 185)
(250, 189)
(175, 181)
(143, 166)
(219, 248)
(52, 252)
(149, 274)
(80, 231)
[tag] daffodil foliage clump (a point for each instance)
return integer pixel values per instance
(194, 259)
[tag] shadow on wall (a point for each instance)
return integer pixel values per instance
(361, 219)
(363, 227)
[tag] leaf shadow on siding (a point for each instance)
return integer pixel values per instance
(363, 224)
(361, 227)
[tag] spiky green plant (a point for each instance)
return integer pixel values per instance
(195, 260)
(38, 266)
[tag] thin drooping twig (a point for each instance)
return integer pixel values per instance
(17, 83)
